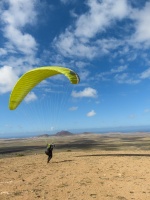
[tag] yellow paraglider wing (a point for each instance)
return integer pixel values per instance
(33, 77)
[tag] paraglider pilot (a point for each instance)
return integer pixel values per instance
(49, 151)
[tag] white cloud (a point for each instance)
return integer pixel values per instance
(69, 45)
(18, 14)
(21, 64)
(30, 97)
(81, 38)
(119, 69)
(84, 74)
(76, 40)
(106, 75)
(91, 113)
(142, 28)
(145, 74)
(51, 128)
(105, 45)
(125, 78)
(25, 43)
(87, 92)
(81, 64)
(8, 78)
(73, 108)
(100, 15)
(3, 52)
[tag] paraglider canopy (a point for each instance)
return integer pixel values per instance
(33, 77)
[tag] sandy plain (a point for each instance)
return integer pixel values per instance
(84, 167)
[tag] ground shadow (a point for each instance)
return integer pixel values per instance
(64, 161)
(9, 150)
(108, 146)
(118, 155)
(105, 143)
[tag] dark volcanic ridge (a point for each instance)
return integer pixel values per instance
(63, 133)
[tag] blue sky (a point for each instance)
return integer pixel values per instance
(106, 42)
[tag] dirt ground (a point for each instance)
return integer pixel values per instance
(99, 173)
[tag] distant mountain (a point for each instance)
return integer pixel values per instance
(43, 135)
(64, 133)
(87, 133)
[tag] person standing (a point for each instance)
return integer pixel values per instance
(49, 151)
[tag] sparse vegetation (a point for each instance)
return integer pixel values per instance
(20, 154)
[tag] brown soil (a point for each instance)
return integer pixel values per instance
(100, 173)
